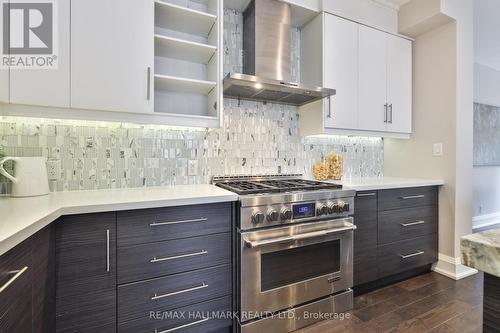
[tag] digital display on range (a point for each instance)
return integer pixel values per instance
(304, 210)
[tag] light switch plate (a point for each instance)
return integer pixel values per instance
(437, 149)
(192, 167)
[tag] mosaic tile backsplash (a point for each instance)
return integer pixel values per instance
(256, 138)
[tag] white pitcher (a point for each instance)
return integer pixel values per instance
(30, 176)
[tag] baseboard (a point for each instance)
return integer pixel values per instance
(485, 220)
(452, 267)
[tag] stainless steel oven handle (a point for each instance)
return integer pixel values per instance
(294, 238)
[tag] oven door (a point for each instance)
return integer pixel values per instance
(287, 266)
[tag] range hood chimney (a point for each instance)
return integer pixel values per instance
(266, 59)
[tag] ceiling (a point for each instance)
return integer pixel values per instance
(487, 33)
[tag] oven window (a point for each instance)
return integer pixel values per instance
(289, 266)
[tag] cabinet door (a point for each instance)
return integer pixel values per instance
(341, 71)
(112, 55)
(86, 273)
(16, 276)
(4, 72)
(399, 84)
(47, 87)
(372, 79)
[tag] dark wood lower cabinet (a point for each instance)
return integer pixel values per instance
(86, 273)
(396, 235)
(64, 279)
(27, 297)
(491, 304)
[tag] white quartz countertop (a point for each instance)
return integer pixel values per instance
(383, 183)
(22, 217)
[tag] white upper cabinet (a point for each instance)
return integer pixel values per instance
(4, 73)
(341, 71)
(112, 55)
(372, 79)
(47, 87)
(399, 84)
(371, 71)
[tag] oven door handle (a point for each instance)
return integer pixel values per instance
(294, 238)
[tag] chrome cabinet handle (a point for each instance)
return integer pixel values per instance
(149, 84)
(420, 196)
(107, 251)
(156, 296)
(294, 238)
(157, 224)
(14, 278)
(385, 113)
(155, 259)
(182, 326)
(419, 253)
(329, 107)
(390, 113)
(366, 195)
(412, 223)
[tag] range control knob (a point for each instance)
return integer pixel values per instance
(272, 215)
(333, 208)
(343, 207)
(321, 209)
(286, 213)
(257, 217)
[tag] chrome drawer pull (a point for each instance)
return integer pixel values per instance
(157, 224)
(412, 223)
(156, 296)
(419, 253)
(202, 252)
(183, 326)
(13, 279)
(107, 251)
(366, 194)
(420, 196)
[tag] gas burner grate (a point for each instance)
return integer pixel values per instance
(262, 186)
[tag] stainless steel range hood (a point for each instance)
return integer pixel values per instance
(266, 59)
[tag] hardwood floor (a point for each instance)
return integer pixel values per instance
(427, 303)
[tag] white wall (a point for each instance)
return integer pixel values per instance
(367, 12)
(486, 85)
(486, 184)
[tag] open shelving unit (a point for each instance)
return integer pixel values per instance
(188, 59)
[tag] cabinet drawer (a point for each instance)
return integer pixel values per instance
(15, 275)
(405, 255)
(164, 258)
(407, 197)
(191, 319)
(153, 225)
(365, 202)
(401, 224)
(136, 300)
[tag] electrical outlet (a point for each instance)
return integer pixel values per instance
(437, 149)
(192, 167)
(54, 169)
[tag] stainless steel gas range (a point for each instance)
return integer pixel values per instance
(293, 251)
